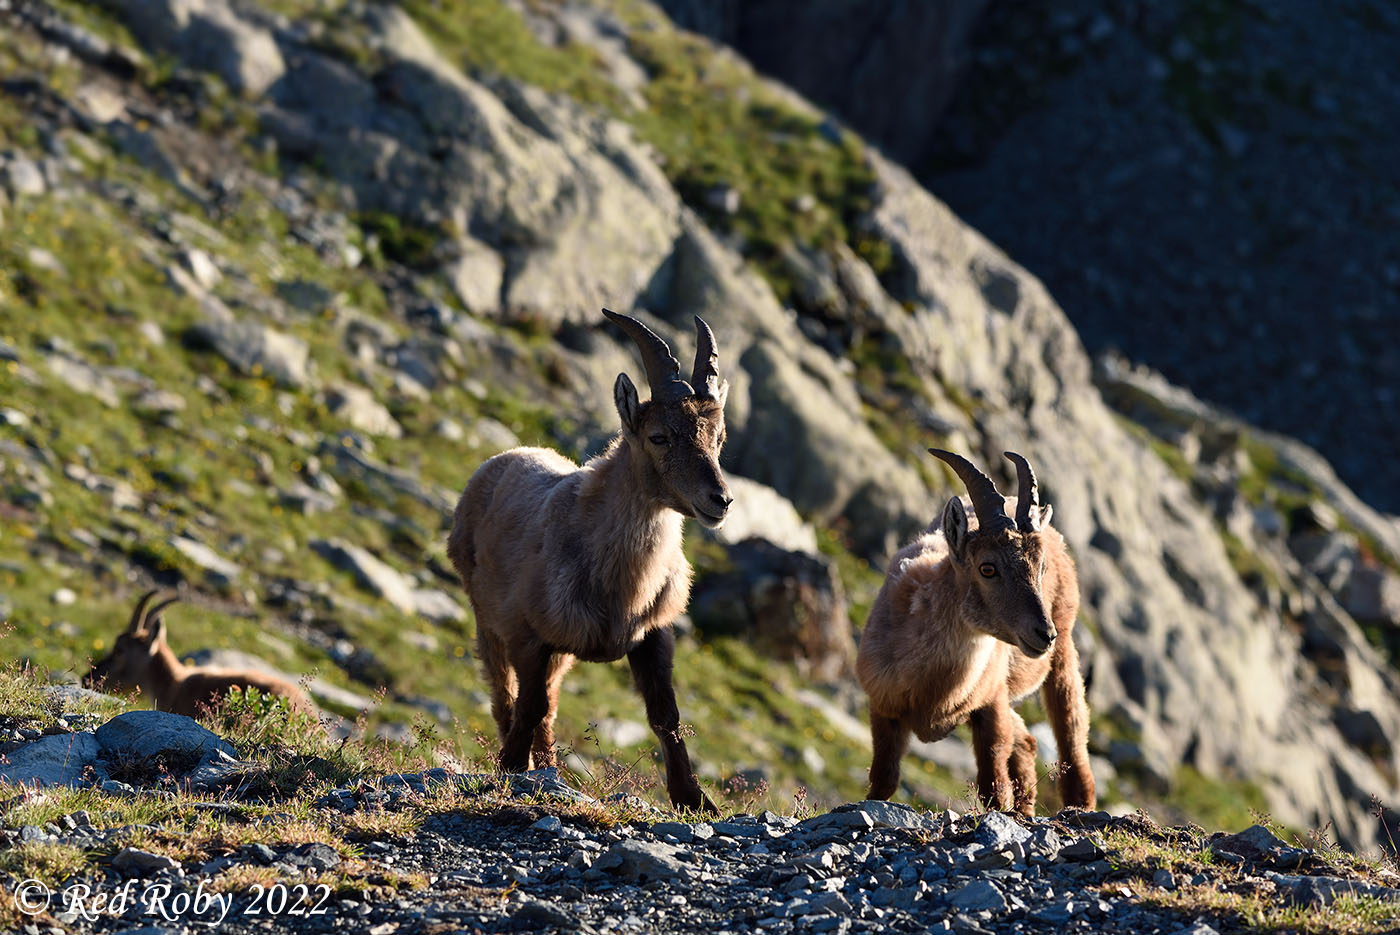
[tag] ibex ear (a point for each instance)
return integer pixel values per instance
(1045, 512)
(155, 634)
(955, 526)
(628, 406)
(723, 394)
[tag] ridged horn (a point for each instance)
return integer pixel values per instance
(1027, 494)
(987, 501)
(138, 616)
(154, 615)
(663, 370)
(705, 376)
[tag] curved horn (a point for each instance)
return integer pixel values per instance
(156, 610)
(663, 371)
(705, 376)
(138, 616)
(1027, 494)
(987, 501)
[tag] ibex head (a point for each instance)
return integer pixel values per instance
(1004, 558)
(129, 662)
(680, 430)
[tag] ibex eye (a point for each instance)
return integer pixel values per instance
(658, 439)
(988, 570)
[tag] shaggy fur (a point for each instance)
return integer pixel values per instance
(141, 659)
(563, 562)
(945, 645)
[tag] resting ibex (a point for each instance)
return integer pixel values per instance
(565, 562)
(141, 659)
(971, 619)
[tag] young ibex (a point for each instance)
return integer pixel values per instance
(563, 562)
(971, 619)
(141, 659)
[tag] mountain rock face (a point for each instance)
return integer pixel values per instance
(1198, 183)
(1222, 570)
(849, 56)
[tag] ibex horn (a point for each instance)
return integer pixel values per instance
(1027, 494)
(705, 376)
(663, 370)
(138, 616)
(987, 501)
(154, 615)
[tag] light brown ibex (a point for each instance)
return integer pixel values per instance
(972, 618)
(141, 659)
(564, 562)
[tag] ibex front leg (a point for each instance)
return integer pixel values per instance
(1069, 716)
(651, 661)
(890, 739)
(993, 739)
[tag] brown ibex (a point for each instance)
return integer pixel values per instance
(141, 659)
(563, 562)
(972, 618)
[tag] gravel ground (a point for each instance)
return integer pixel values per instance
(867, 867)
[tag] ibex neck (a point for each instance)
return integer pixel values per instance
(624, 505)
(163, 674)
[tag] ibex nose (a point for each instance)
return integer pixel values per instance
(722, 500)
(1046, 634)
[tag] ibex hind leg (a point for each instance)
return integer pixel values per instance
(500, 675)
(531, 665)
(542, 753)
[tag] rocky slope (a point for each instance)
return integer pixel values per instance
(278, 276)
(1201, 184)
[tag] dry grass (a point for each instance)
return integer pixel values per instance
(1257, 908)
(50, 863)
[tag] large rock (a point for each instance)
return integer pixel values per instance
(149, 734)
(83, 377)
(815, 447)
(759, 510)
(643, 861)
(219, 569)
(208, 34)
(55, 760)
(357, 406)
(319, 689)
(790, 604)
(252, 348)
(372, 574)
(579, 212)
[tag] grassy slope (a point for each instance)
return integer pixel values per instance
(210, 471)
